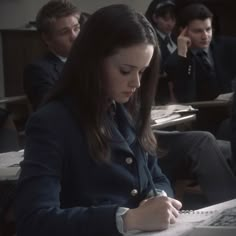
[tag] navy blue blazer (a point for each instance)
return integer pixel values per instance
(63, 191)
(40, 76)
(192, 82)
(165, 53)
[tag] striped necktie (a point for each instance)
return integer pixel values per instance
(203, 56)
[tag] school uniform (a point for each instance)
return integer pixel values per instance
(194, 81)
(63, 191)
(167, 44)
(41, 76)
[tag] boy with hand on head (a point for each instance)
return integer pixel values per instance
(202, 66)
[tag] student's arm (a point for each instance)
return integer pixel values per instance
(153, 214)
(160, 180)
(180, 71)
(183, 43)
(37, 83)
(39, 209)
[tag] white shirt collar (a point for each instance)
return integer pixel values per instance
(63, 59)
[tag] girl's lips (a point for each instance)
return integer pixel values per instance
(128, 94)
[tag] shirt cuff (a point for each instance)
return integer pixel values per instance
(119, 220)
(159, 193)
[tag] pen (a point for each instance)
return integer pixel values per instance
(156, 192)
(150, 180)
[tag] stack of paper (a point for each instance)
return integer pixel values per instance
(9, 165)
(161, 114)
(225, 97)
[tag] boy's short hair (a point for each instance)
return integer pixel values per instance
(52, 11)
(192, 12)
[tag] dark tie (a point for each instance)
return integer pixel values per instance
(167, 40)
(203, 56)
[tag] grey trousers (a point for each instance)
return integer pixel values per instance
(199, 155)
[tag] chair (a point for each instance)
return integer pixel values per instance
(8, 132)
(21, 109)
(8, 142)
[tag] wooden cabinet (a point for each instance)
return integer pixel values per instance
(19, 47)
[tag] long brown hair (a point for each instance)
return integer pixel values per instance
(106, 31)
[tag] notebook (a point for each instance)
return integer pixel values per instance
(221, 224)
(203, 222)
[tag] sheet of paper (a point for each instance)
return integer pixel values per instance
(225, 96)
(10, 158)
(167, 118)
(159, 112)
(9, 165)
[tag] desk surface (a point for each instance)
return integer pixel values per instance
(5, 100)
(177, 121)
(211, 103)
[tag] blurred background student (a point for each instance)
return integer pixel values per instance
(162, 15)
(58, 25)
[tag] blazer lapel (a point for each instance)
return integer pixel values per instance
(57, 65)
(216, 58)
(123, 133)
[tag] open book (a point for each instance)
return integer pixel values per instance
(221, 223)
(9, 165)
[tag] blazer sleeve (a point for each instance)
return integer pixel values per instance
(37, 83)
(159, 178)
(180, 71)
(38, 209)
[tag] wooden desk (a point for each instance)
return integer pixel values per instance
(210, 116)
(13, 99)
(19, 48)
(211, 103)
(175, 122)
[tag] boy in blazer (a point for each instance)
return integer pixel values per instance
(202, 67)
(58, 25)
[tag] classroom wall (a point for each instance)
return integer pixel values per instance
(17, 13)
